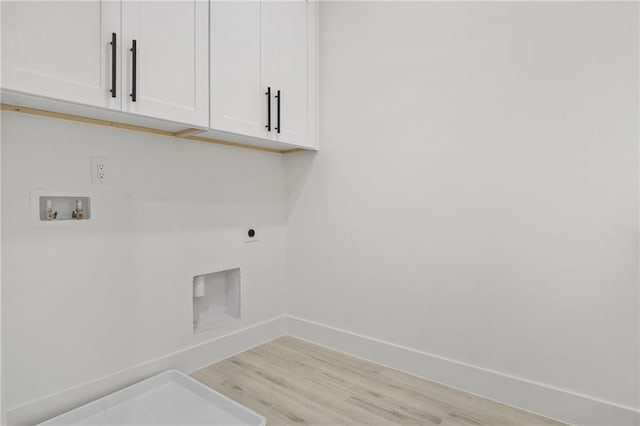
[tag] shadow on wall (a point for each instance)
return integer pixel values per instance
(298, 167)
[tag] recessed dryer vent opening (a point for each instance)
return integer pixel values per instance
(216, 299)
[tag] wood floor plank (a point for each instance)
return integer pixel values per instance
(317, 390)
(307, 400)
(291, 381)
(357, 383)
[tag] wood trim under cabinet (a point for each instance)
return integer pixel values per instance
(187, 134)
(237, 145)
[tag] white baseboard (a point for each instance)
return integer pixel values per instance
(546, 400)
(538, 398)
(186, 360)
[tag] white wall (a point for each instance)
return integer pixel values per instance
(83, 302)
(476, 192)
(2, 404)
(475, 197)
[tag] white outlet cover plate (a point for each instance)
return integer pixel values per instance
(109, 171)
(247, 238)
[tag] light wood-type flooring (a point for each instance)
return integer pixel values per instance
(290, 381)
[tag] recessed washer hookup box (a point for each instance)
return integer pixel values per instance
(169, 398)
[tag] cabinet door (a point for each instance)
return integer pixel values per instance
(289, 30)
(238, 99)
(170, 79)
(62, 50)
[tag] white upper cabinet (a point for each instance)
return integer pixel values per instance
(289, 32)
(263, 70)
(238, 99)
(63, 50)
(241, 71)
(168, 41)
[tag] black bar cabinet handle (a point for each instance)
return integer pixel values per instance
(278, 97)
(268, 93)
(134, 54)
(113, 65)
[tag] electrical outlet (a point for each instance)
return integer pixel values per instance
(101, 171)
(250, 235)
